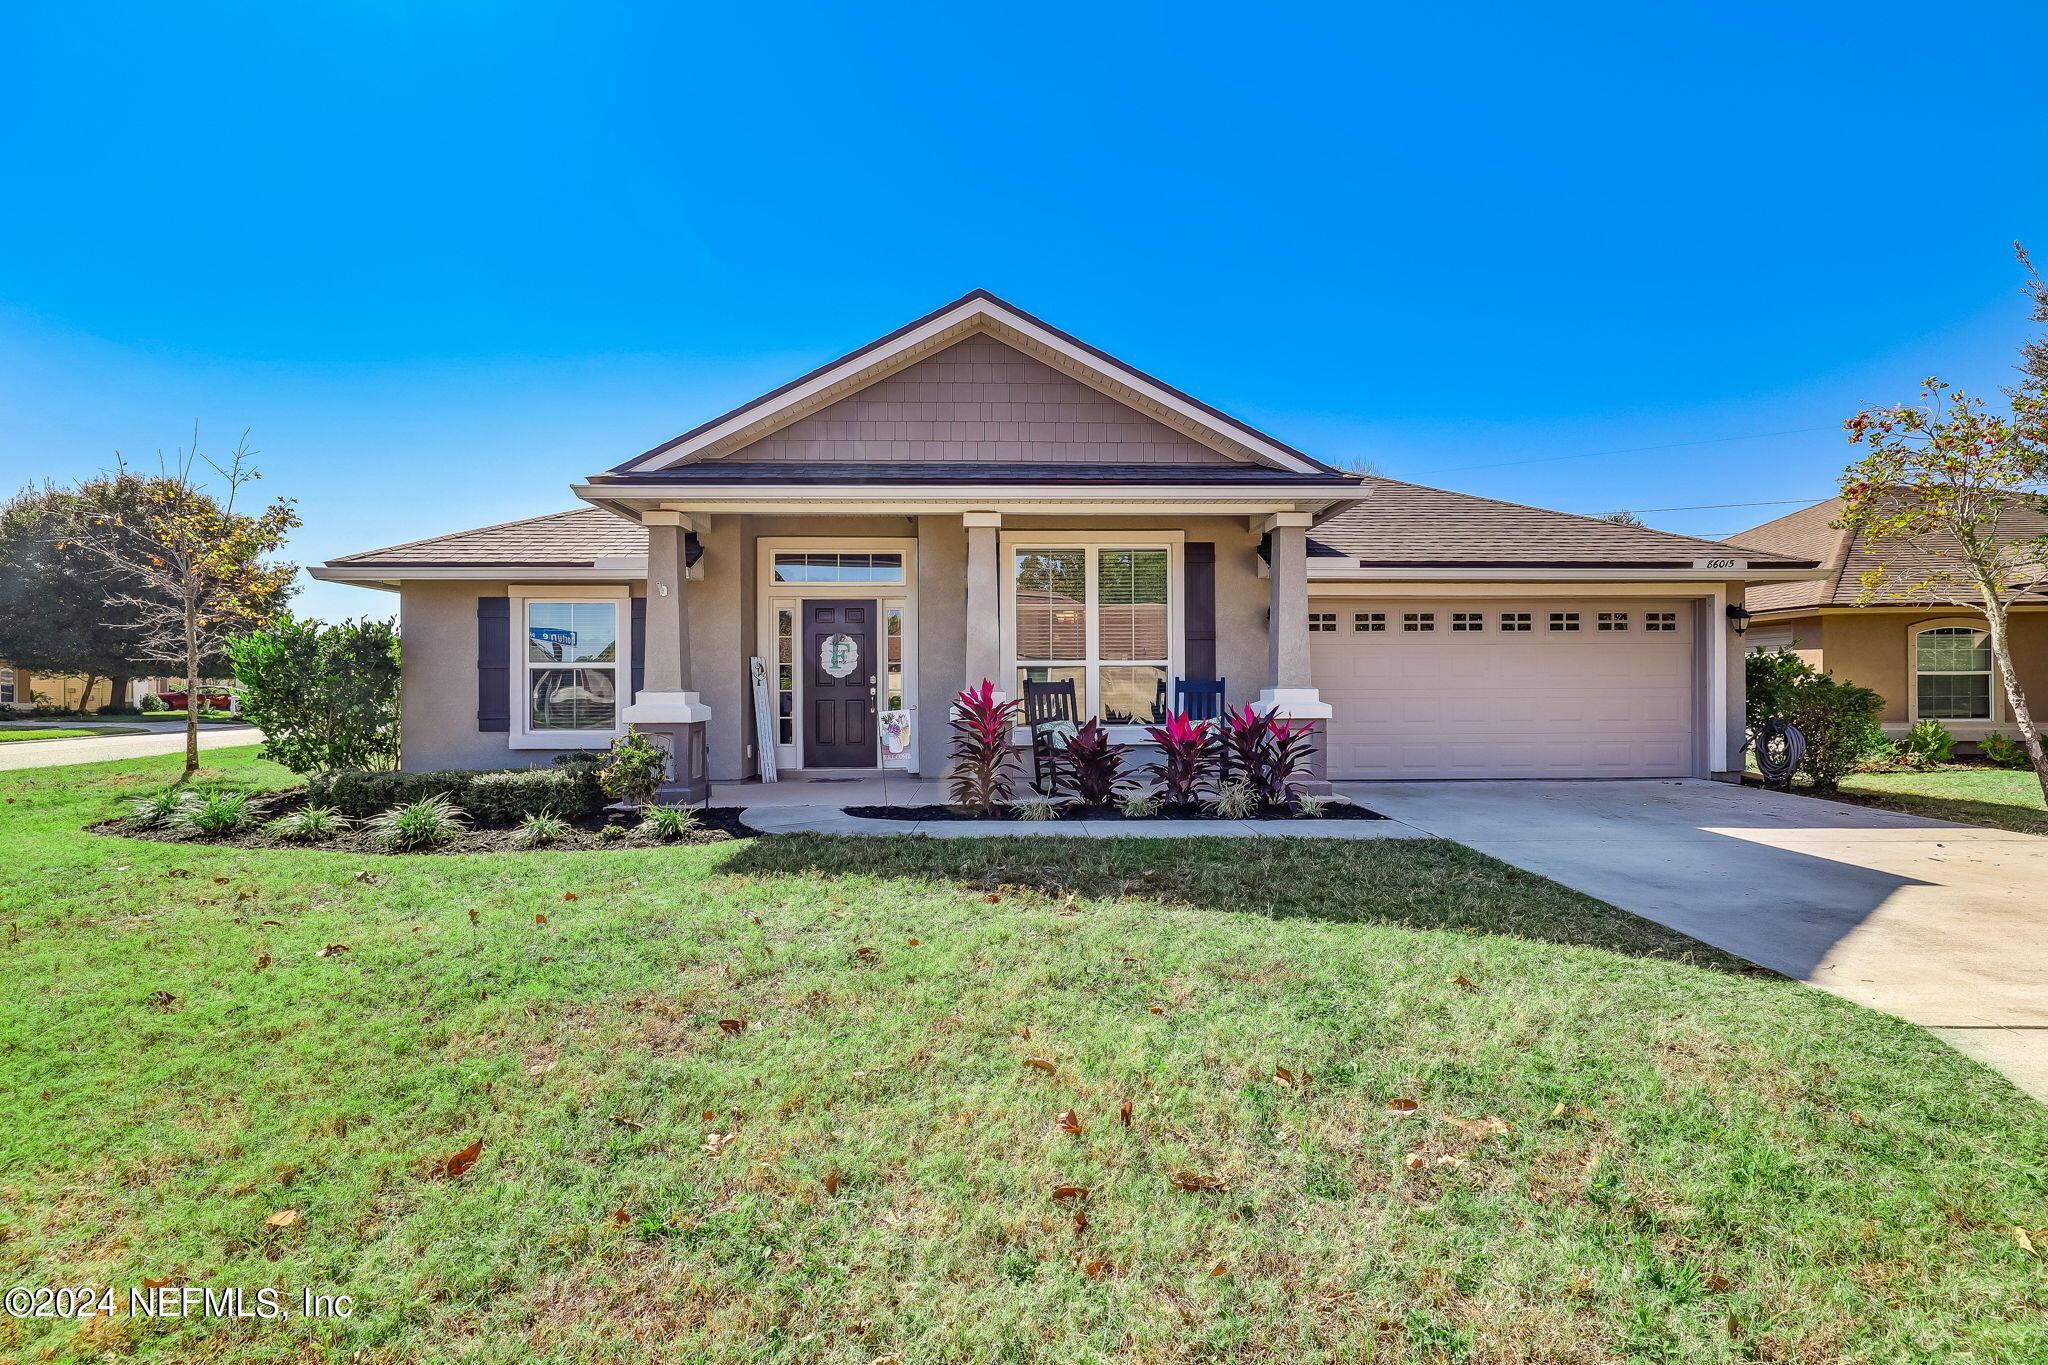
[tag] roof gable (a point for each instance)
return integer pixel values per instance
(1850, 555)
(1169, 424)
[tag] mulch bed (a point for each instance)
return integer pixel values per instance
(715, 825)
(1335, 810)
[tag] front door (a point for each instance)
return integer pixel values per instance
(839, 684)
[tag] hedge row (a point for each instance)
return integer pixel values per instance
(567, 790)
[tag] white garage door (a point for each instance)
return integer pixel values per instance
(1506, 688)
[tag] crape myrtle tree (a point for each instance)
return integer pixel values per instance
(1935, 495)
(53, 595)
(197, 561)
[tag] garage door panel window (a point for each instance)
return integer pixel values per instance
(1564, 620)
(1952, 666)
(1369, 622)
(1468, 621)
(1418, 622)
(1322, 623)
(1614, 620)
(1515, 622)
(1660, 620)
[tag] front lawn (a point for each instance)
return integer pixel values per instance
(1053, 1099)
(8, 735)
(2005, 798)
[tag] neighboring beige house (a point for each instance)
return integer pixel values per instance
(1928, 661)
(18, 687)
(979, 495)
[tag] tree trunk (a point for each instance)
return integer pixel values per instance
(117, 689)
(1994, 616)
(85, 697)
(191, 682)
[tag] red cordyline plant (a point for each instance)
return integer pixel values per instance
(1269, 753)
(980, 755)
(1091, 767)
(1187, 754)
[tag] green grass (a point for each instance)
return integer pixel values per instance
(47, 732)
(2004, 798)
(1624, 1148)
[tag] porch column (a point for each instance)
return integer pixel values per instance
(984, 652)
(1290, 692)
(666, 710)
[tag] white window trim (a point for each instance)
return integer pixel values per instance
(521, 735)
(9, 680)
(769, 594)
(1913, 632)
(1173, 542)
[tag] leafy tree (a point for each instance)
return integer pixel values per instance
(197, 562)
(325, 697)
(1936, 494)
(53, 616)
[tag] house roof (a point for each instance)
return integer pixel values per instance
(976, 313)
(1405, 525)
(956, 472)
(1848, 555)
(575, 539)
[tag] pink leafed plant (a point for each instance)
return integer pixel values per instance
(1187, 757)
(1270, 753)
(981, 774)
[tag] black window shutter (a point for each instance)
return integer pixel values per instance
(1198, 558)
(639, 667)
(494, 663)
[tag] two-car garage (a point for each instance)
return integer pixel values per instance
(1509, 687)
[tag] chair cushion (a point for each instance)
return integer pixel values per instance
(1055, 733)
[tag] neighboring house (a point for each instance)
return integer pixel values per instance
(19, 688)
(1928, 661)
(978, 495)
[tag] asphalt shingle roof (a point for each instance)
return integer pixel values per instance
(1809, 532)
(565, 539)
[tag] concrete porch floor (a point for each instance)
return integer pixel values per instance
(827, 788)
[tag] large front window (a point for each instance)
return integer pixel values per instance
(1099, 617)
(1952, 666)
(572, 666)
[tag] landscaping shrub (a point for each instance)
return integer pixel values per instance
(113, 710)
(1931, 740)
(1187, 758)
(570, 792)
(150, 812)
(1091, 767)
(536, 830)
(151, 702)
(308, 825)
(633, 769)
(981, 762)
(1267, 753)
(213, 814)
(325, 696)
(1235, 800)
(418, 824)
(1770, 676)
(356, 793)
(667, 822)
(1838, 719)
(1140, 805)
(2004, 751)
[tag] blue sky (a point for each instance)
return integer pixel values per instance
(442, 259)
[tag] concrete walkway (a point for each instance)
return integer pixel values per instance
(167, 738)
(1944, 925)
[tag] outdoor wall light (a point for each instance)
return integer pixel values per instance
(1738, 617)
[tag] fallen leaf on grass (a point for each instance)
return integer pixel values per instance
(283, 1218)
(1401, 1106)
(2019, 1234)
(715, 1143)
(732, 1025)
(1080, 1222)
(568, 895)
(1062, 1193)
(622, 1121)
(1462, 984)
(1041, 1064)
(620, 1217)
(831, 1183)
(1069, 1121)
(1124, 1113)
(1193, 1182)
(162, 1000)
(332, 950)
(456, 1163)
(368, 878)
(1414, 1161)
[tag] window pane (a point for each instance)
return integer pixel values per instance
(1955, 696)
(1134, 694)
(1051, 592)
(1955, 649)
(572, 632)
(1130, 591)
(574, 699)
(1078, 677)
(839, 568)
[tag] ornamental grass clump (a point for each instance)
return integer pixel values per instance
(1235, 800)
(418, 824)
(308, 825)
(537, 830)
(981, 777)
(157, 810)
(1036, 808)
(214, 814)
(1139, 806)
(667, 823)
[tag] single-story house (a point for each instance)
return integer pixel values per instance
(1928, 660)
(978, 495)
(20, 688)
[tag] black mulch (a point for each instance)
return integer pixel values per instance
(1335, 810)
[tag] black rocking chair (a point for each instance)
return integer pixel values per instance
(1052, 717)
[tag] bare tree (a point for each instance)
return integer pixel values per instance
(1624, 517)
(197, 560)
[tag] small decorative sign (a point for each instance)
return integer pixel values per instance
(838, 655)
(1720, 563)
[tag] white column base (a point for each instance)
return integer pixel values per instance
(666, 708)
(1292, 703)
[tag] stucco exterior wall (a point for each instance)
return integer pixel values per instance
(941, 633)
(1870, 647)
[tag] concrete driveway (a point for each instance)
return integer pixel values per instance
(1944, 925)
(167, 739)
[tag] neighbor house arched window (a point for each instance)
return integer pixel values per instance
(1952, 672)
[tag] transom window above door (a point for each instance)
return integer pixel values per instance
(836, 567)
(1101, 618)
(1952, 673)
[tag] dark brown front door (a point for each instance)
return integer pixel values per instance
(839, 684)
